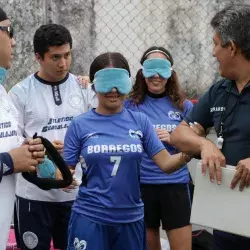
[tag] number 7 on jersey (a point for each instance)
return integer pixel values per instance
(117, 161)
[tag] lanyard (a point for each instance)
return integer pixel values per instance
(223, 117)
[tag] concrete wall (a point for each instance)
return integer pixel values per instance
(128, 26)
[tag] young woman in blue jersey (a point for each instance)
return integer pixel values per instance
(157, 94)
(108, 211)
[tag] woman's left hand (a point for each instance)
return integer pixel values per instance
(163, 135)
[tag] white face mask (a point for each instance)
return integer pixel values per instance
(3, 73)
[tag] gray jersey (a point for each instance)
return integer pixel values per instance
(48, 110)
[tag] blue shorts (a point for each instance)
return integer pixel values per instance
(227, 241)
(86, 234)
(39, 222)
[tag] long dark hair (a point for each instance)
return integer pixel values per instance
(173, 89)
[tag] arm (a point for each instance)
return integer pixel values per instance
(72, 145)
(170, 163)
(21, 159)
(188, 141)
(15, 161)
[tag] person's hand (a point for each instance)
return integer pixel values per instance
(58, 145)
(197, 128)
(84, 81)
(36, 148)
(74, 183)
(163, 135)
(213, 159)
(242, 174)
(23, 159)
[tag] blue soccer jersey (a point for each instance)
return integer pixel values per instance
(112, 147)
(164, 115)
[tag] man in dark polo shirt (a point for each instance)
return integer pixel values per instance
(226, 106)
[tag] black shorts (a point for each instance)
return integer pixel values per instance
(169, 204)
(39, 222)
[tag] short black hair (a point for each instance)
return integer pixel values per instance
(3, 15)
(50, 35)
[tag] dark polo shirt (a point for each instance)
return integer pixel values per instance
(222, 103)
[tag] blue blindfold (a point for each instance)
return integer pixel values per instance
(159, 66)
(106, 79)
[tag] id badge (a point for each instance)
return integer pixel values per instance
(219, 142)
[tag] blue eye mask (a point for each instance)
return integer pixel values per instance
(158, 66)
(3, 73)
(106, 79)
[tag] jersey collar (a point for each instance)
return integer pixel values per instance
(51, 83)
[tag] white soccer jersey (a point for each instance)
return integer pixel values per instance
(8, 140)
(48, 110)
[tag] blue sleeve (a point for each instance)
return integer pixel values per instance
(187, 107)
(72, 145)
(201, 111)
(6, 165)
(151, 143)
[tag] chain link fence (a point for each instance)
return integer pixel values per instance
(127, 26)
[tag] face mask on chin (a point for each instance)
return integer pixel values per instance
(3, 73)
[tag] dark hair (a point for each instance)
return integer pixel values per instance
(173, 89)
(3, 15)
(233, 24)
(114, 59)
(50, 35)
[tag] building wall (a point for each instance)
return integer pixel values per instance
(129, 27)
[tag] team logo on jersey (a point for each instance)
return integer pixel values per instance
(80, 244)
(135, 133)
(75, 100)
(30, 240)
(174, 115)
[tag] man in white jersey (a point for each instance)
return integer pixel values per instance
(12, 159)
(47, 101)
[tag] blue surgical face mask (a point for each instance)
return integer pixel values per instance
(159, 66)
(3, 73)
(107, 79)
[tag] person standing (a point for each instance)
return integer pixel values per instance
(225, 106)
(13, 157)
(46, 102)
(166, 198)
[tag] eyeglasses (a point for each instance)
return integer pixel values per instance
(7, 29)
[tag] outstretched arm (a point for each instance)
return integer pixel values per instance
(170, 163)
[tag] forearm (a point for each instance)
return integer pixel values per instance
(186, 140)
(170, 163)
(175, 162)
